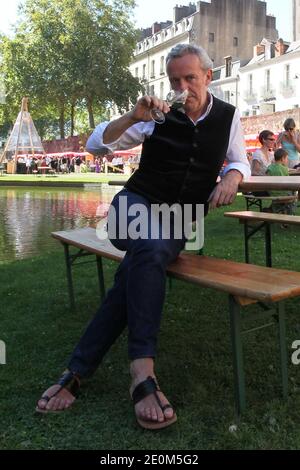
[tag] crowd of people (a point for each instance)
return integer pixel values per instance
(31, 164)
(288, 140)
(276, 156)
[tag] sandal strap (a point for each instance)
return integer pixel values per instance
(166, 407)
(70, 382)
(145, 388)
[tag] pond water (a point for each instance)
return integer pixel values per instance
(28, 215)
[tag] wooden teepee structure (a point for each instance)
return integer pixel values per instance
(24, 138)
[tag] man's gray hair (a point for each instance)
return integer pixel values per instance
(181, 50)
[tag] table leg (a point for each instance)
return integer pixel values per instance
(268, 245)
(237, 349)
(283, 352)
(100, 276)
(69, 276)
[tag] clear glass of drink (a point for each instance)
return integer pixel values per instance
(174, 98)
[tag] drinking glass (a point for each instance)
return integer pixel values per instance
(174, 98)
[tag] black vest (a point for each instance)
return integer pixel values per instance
(180, 162)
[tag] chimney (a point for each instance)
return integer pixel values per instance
(156, 27)
(183, 11)
(258, 49)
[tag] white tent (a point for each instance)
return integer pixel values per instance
(24, 138)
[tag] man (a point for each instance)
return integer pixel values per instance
(180, 163)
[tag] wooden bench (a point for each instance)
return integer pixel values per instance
(244, 283)
(257, 201)
(263, 220)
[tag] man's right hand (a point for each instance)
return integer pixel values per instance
(143, 107)
(140, 112)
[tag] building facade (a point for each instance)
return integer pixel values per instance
(222, 27)
(296, 20)
(268, 83)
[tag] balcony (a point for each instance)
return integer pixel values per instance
(250, 97)
(287, 90)
(268, 94)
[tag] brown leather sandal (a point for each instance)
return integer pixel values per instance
(142, 390)
(70, 382)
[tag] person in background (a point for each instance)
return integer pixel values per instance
(280, 168)
(289, 140)
(97, 165)
(264, 156)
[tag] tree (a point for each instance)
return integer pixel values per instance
(68, 54)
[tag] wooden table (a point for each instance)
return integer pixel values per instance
(263, 220)
(256, 183)
(270, 183)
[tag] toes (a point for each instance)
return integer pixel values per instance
(169, 412)
(51, 405)
(154, 415)
(42, 404)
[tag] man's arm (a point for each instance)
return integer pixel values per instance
(127, 131)
(238, 167)
(141, 112)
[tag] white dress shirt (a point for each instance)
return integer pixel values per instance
(235, 156)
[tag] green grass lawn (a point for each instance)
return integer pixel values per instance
(194, 364)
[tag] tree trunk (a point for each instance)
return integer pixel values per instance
(62, 121)
(72, 118)
(91, 114)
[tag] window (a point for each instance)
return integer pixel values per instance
(136, 72)
(228, 66)
(227, 96)
(144, 71)
(235, 41)
(211, 37)
(162, 65)
(287, 75)
(268, 84)
(151, 89)
(152, 69)
(162, 90)
(250, 84)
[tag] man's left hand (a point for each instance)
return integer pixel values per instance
(226, 191)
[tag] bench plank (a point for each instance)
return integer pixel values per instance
(249, 281)
(269, 217)
(239, 279)
(86, 239)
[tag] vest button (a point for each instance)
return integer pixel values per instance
(196, 131)
(195, 145)
(192, 160)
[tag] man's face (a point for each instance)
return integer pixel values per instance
(186, 73)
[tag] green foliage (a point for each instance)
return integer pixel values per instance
(70, 54)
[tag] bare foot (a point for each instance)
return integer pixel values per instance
(60, 396)
(149, 408)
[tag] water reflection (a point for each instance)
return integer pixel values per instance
(29, 215)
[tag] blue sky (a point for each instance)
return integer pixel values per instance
(149, 11)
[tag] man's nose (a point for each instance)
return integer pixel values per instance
(181, 85)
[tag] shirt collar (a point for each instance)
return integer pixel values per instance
(207, 111)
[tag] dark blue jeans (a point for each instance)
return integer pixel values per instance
(136, 298)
